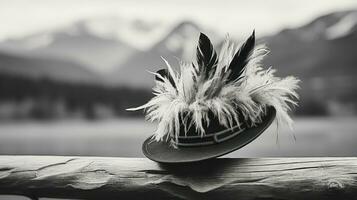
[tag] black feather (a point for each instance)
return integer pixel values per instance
(206, 57)
(165, 74)
(241, 58)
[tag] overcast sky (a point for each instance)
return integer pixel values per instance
(22, 17)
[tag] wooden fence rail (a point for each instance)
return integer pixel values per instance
(139, 178)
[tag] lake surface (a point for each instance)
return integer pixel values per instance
(123, 137)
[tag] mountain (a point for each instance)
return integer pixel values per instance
(36, 68)
(84, 42)
(140, 34)
(310, 51)
(321, 48)
(323, 55)
(179, 44)
(313, 50)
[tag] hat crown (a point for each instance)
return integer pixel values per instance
(214, 131)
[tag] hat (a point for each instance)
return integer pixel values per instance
(216, 104)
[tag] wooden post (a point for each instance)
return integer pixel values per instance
(139, 178)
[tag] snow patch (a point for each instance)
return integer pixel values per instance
(183, 40)
(342, 28)
(38, 41)
(139, 34)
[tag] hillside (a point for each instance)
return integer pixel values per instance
(36, 68)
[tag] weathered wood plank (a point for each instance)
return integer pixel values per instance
(138, 178)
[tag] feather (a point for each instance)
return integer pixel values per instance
(206, 57)
(171, 73)
(217, 86)
(164, 73)
(241, 58)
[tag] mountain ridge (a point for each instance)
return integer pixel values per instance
(41, 68)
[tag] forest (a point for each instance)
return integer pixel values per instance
(47, 99)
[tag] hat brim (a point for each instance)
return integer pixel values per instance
(163, 152)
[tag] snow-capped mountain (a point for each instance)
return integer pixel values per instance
(137, 33)
(318, 48)
(127, 49)
(327, 27)
(302, 51)
(99, 43)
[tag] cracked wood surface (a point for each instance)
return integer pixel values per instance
(139, 178)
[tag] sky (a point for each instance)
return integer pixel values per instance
(19, 18)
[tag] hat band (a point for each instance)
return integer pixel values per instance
(214, 138)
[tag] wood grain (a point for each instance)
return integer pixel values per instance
(139, 178)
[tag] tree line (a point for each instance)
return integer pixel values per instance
(80, 97)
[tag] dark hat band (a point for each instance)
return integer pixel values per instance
(208, 139)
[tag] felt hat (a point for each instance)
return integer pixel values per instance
(213, 144)
(216, 104)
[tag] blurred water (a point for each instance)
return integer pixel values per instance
(123, 137)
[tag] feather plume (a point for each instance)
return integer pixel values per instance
(241, 58)
(206, 57)
(232, 86)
